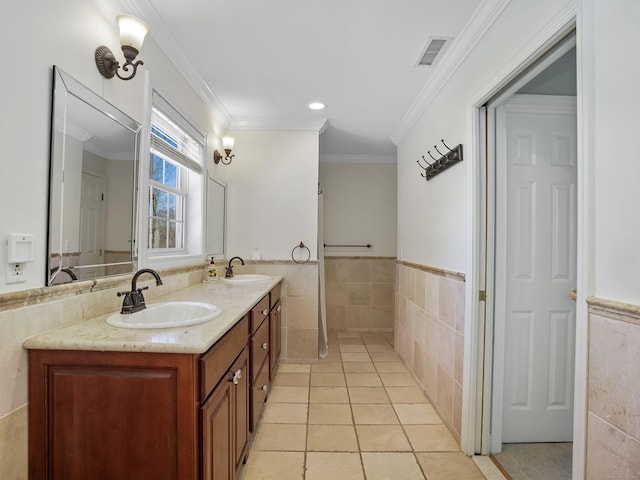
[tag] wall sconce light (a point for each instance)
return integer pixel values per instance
(132, 33)
(227, 145)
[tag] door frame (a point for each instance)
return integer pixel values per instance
(476, 402)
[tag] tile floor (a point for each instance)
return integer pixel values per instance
(355, 415)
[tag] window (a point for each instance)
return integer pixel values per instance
(175, 182)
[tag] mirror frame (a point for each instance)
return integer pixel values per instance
(210, 248)
(64, 87)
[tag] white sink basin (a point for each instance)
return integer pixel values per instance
(166, 315)
(247, 278)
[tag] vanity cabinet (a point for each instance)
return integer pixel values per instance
(150, 416)
(259, 359)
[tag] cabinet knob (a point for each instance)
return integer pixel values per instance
(264, 388)
(237, 375)
(279, 307)
(265, 345)
(265, 312)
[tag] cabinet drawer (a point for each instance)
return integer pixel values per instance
(274, 295)
(259, 348)
(259, 313)
(217, 360)
(259, 391)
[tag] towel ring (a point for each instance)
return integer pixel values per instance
(302, 246)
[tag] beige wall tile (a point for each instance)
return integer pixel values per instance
(457, 410)
(633, 399)
(432, 295)
(337, 294)
(420, 289)
(301, 343)
(459, 358)
(382, 294)
(608, 370)
(336, 270)
(444, 399)
(607, 450)
(13, 445)
(302, 280)
(359, 293)
(447, 302)
(382, 318)
(302, 312)
(358, 317)
(383, 271)
(360, 270)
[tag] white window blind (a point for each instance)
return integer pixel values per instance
(173, 135)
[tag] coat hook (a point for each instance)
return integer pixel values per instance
(436, 147)
(434, 158)
(442, 140)
(425, 160)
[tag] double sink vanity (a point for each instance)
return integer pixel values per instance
(156, 400)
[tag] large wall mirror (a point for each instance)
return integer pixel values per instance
(216, 215)
(92, 192)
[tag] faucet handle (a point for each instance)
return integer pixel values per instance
(139, 290)
(119, 294)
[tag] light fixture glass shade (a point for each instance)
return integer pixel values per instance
(228, 142)
(132, 31)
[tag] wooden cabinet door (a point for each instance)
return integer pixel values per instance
(217, 434)
(241, 400)
(275, 320)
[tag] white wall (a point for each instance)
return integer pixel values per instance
(616, 166)
(359, 207)
(272, 193)
(432, 216)
(64, 33)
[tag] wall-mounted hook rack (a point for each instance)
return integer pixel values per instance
(440, 164)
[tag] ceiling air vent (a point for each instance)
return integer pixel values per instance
(434, 47)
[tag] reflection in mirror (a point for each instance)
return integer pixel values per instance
(216, 213)
(94, 154)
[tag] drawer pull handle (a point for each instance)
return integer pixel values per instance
(237, 375)
(265, 312)
(265, 345)
(264, 388)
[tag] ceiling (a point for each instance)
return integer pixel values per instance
(260, 63)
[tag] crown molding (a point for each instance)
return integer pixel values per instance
(316, 125)
(165, 41)
(482, 19)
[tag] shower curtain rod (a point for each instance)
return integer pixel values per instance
(368, 245)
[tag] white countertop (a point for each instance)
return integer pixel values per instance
(95, 334)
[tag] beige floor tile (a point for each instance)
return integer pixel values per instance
(294, 368)
(382, 438)
(355, 357)
(288, 395)
(273, 436)
(397, 380)
(263, 465)
(396, 466)
(363, 380)
(331, 438)
(379, 347)
(291, 379)
(351, 340)
(353, 348)
(374, 414)
(391, 367)
(330, 414)
(328, 367)
(285, 413)
(384, 356)
(368, 395)
(329, 395)
(431, 438)
(449, 466)
(333, 466)
(406, 395)
(327, 380)
(417, 414)
(359, 367)
(374, 338)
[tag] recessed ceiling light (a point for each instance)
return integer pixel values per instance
(316, 106)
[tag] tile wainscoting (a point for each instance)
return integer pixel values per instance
(613, 422)
(360, 293)
(30, 312)
(429, 334)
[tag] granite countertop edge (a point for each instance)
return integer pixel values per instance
(96, 334)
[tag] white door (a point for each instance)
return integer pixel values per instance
(91, 219)
(535, 267)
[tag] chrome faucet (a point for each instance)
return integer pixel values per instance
(134, 300)
(228, 273)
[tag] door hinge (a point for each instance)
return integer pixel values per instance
(482, 295)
